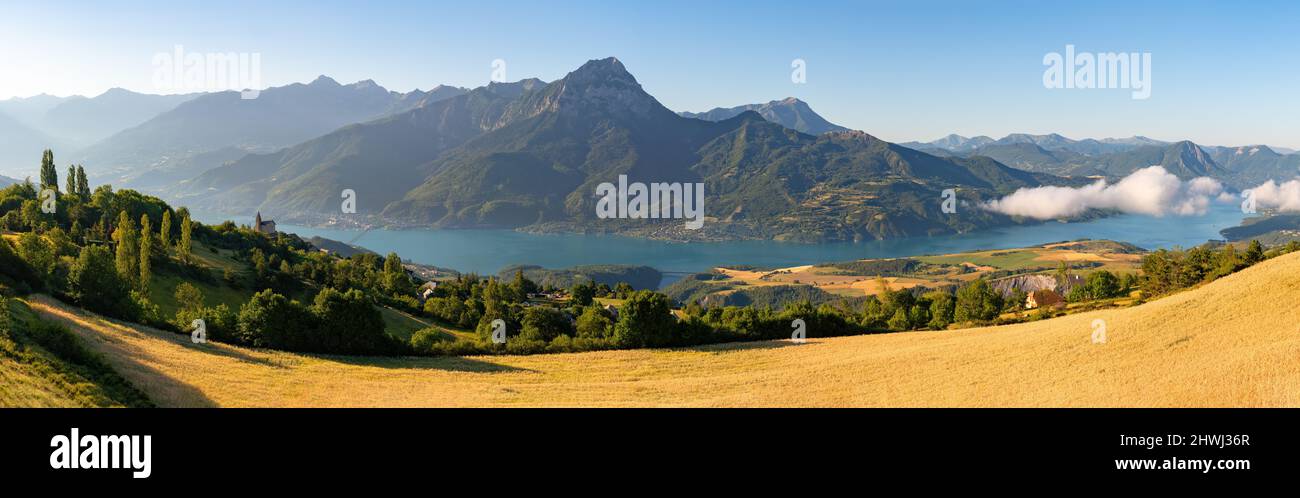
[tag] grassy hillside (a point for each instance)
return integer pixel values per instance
(162, 288)
(1229, 343)
(20, 386)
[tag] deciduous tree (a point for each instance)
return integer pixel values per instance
(977, 301)
(49, 176)
(146, 252)
(183, 249)
(128, 250)
(83, 186)
(645, 320)
(165, 232)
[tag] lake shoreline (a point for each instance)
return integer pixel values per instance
(487, 251)
(650, 230)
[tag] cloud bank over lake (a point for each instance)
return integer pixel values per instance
(1151, 191)
(1284, 197)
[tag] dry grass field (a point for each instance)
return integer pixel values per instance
(976, 265)
(1234, 342)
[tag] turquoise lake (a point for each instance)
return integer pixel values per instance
(488, 251)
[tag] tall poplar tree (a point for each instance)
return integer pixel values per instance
(127, 258)
(146, 251)
(71, 189)
(186, 228)
(165, 233)
(49, 176)
(83, 186)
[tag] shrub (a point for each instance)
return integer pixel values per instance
(188, 297)
(146, 312)
(423, 341)
(591, 344)
(1042, 313)
(520, 345)
(15, 269)
(406, 303)
(220, 322)
(561, 344)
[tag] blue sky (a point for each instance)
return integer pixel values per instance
(1223, 73)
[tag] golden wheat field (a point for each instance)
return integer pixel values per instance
(1234, 342)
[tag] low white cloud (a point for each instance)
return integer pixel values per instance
(1284, 197)
(1151, 191)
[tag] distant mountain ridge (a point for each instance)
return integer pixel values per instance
(417, 98)
(30, 110)
(66, 123)
(790, 112)
(1052, 142)
(380, 159)
(1252, 165)
(186, 140)
(81, 121)
(1238, 167)
(21, 147)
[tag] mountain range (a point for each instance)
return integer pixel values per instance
(1053, 142)
(1237, 167)
(21, 146)
(30, 125)
(790, 112)
(81, 121)
(530, 154)
(380, 159)
(149, 141)
(279, 117)
(1252, 165)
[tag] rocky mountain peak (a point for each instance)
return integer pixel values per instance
(601, 85)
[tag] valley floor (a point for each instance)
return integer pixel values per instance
(1233, 342)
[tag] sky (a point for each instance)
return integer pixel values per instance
(1223, 73)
